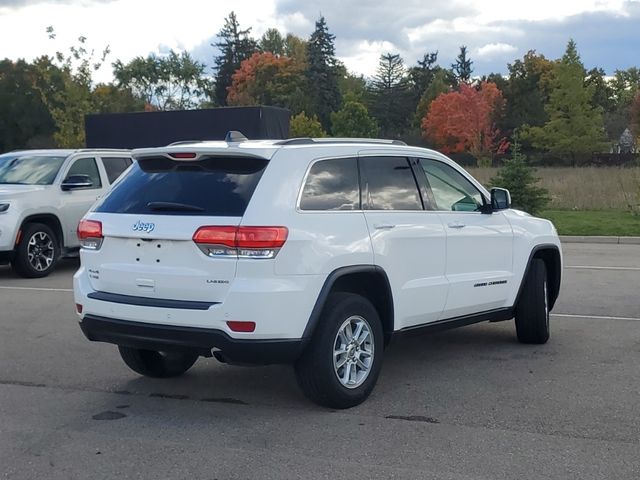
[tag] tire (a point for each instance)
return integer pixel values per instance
(38, 251)
(157, 364)
(320, 377)
(532, 311)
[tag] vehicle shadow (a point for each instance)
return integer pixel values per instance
(66, 267)
(418, 360)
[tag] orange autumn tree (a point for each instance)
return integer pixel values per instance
(266, 79)
(464, 121)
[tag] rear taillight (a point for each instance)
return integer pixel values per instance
(90, 234)
(241, 242)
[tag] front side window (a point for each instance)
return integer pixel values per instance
(451, 190)
(332, 185)
(389, 184)
(88, 167)
(29, 169)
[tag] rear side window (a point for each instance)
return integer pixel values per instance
(211, 186)
(389, 184)
(115, 166)
(332, 185)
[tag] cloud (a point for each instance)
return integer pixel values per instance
(494, 31)
(492, 50)
(13, 4)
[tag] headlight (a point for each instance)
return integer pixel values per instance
(4, 207)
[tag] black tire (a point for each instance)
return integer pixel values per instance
(315, 371)
(532, 311)
(47, 248)
(157, 364)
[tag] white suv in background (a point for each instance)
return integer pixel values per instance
(43, 196)
(304, 251)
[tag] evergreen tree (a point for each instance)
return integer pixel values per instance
(235, 45)
(322, 73)
(462, 68)
(439, 84)
(272, 41)
(421, 75)
(575, 126)
(391, 96)
(519, 178)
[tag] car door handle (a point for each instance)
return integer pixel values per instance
(383, 226)
(456, 225)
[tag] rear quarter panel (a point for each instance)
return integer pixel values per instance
(318, 242)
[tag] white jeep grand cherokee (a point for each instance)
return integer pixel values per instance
(43, 196)
(304, 251)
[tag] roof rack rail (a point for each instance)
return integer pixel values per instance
(311, 141)
(183, 142)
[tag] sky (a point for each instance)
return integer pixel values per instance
(496, 32)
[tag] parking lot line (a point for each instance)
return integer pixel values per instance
(40, 289)
(595, 317)
(595, 267)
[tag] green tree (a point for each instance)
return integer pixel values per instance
(172, 82)
(463, 66)
(623, 87)
(25, 121)
(353, 88)
(391, 96)
(322, 73)
(353, 120)
(526, 92)
(109, 98)
(517, 176)
(69, 103)
(303, 126)
(296, 48)
(575, 127)
(235, 45)
(272, 41)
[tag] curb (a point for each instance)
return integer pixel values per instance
(600, 239)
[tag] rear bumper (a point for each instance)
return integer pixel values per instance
(169, 337)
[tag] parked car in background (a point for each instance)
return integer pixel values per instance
(43, 196)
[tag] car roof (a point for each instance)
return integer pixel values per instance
(267, 148)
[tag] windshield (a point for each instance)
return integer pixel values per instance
(29, 169)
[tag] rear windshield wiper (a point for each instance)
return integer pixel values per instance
(173, 207)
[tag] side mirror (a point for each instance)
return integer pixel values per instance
(500, 199)
(73, 182)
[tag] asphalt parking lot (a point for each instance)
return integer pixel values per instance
(470, 403)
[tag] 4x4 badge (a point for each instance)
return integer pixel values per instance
(143, 227)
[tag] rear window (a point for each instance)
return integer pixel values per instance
(212, 186)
